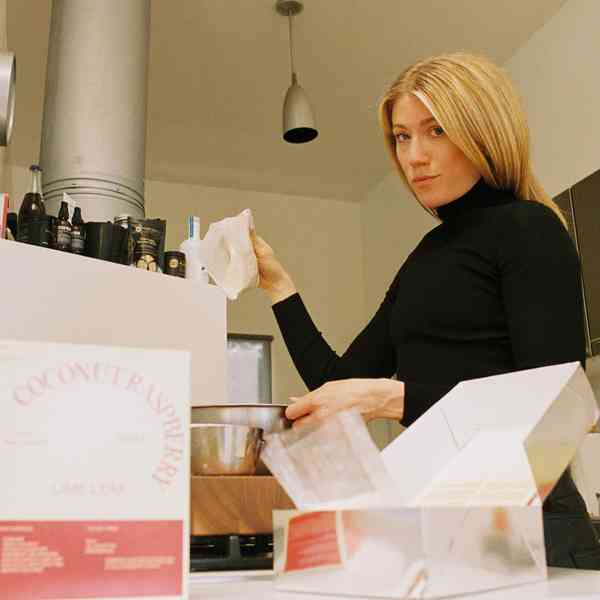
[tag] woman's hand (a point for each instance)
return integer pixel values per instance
(374, 398)
(273, 278)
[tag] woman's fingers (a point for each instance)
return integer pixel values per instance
(319, 403)
(330, 398)
(259, 244)
(314, 418)
(301, 407)
(304, 421)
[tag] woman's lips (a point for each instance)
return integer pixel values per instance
(424, 180)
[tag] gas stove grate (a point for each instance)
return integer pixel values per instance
(231, 552)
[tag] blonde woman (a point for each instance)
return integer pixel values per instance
(493, 288)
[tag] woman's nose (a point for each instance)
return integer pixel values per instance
(417, 153)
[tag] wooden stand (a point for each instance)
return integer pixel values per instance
(222, 505)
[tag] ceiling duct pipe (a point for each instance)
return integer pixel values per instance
(94, 125)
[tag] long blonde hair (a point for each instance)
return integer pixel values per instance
(475, 103)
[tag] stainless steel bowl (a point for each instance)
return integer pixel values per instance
(225, 449)
(268, 417)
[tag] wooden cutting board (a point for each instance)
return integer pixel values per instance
(235, 504)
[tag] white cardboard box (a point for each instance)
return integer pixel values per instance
(471, 475)
(94, 456)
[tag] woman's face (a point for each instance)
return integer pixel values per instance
(436, 170)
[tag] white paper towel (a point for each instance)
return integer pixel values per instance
(228, 254)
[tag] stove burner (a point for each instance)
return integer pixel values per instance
(231, 552)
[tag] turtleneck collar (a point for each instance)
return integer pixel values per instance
(481, 195)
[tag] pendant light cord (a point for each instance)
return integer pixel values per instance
(293, 71)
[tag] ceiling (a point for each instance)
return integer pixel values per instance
(219, 70)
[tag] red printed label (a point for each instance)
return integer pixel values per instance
(312, 541)
(353, 534)
(88, 559)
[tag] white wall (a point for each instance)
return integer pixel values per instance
(557, 73)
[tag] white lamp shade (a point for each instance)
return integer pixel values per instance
(298, 120)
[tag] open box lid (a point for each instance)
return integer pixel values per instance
(500, 440)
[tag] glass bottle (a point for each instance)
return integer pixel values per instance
(32, 207)
(63, 228)
(77, 232)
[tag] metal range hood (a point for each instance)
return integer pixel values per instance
(94, 122)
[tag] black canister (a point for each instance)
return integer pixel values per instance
(106, 241)
(175, 263)
(39, 231)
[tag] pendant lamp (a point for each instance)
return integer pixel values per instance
(298, 120)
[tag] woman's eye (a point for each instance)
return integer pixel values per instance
(401, 137)
(437, 131)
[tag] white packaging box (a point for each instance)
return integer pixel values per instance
(471, 475)
(94, 456)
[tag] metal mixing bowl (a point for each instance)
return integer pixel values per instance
(225, 449)
(268, 417)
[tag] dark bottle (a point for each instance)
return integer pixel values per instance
(63, 228)
(77, 233)
(11, 223)
(32, 208)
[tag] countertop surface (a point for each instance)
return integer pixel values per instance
(562, 584)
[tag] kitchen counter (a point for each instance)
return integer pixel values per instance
(562, 584)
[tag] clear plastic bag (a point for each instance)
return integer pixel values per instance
(334, 463)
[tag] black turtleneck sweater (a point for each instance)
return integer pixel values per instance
(494, 288)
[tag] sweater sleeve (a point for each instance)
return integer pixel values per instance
(371, 354)
(541, 288)
(419, 397)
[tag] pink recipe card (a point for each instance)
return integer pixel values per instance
(94, 455)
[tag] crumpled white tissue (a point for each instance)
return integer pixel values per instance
(228, 254)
